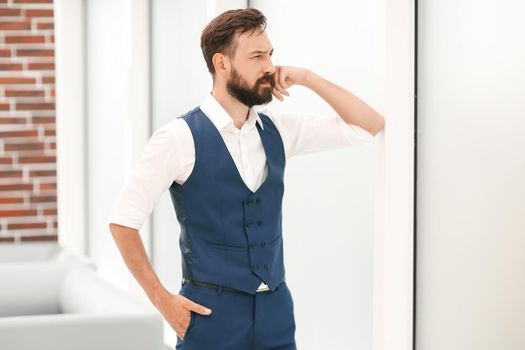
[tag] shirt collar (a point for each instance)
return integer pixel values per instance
(221, 119)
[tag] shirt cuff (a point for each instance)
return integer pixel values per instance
(134, 218)
(355, 134)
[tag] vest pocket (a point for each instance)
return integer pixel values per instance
(225, 247)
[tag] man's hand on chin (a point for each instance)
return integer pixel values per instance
(286, 77)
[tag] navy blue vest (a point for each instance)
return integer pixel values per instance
(230, 235)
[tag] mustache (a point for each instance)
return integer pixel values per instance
(268, 78)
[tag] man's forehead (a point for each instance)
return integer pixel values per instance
(254, 42)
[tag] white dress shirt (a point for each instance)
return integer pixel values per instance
(170, 153)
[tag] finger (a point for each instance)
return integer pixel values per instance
(282, 82)
(277, 82)
(277, 73)
(279, 88)
(277, 94)
(200, 309)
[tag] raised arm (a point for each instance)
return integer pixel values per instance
(348, 106)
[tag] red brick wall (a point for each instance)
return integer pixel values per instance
(28, 209)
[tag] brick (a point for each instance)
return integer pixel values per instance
(26, 225)
(6, 12)
(48, 80)
(40, 173)
(25, 39)
(30, 146)
(15, 25)
(5, 53)
(50, 211)
(11, 200)
(17, 80)
(25, 93)
(43, 120)
(6, 160)
(53, 237)
(36, 159)
(16, 187)
(35, 52)
(33, 1)
(45, 25)
(43, 199)
(48, 186)
(39, 13)
(41, 66)
(4, 106)
(17, 212)
(7, 239)
(11, 66)
(34, 106)
(12, 120)
(49, 132)
(19, 133)
(10, 174)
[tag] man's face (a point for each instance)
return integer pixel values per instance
(251, 79)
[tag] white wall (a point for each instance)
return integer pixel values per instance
(471, 171)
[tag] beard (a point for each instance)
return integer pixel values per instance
(257, 95)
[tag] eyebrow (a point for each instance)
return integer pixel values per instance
(260, 51)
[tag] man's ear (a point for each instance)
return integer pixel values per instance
(221, 63)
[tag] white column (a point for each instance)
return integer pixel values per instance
(70, 124)
(118, 119)
(393, 234)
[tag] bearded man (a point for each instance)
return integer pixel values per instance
(223, 163)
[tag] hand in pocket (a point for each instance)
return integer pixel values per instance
(176, 310)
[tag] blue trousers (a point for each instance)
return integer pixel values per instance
(240, 321)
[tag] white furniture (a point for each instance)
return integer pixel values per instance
(58, 302)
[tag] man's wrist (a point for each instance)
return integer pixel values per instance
(158, 296)
(308, 78)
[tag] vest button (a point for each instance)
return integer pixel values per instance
(248, 223)
(263, 243)
(258, 200)
(266, 266)
(249, 201)
(255, 267)
(253, 244)
(259, 222)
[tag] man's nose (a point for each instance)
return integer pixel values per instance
(269, 68)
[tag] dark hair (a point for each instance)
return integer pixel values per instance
(220, 34)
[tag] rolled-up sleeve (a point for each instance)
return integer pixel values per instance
(152, 174)
(304, 134)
